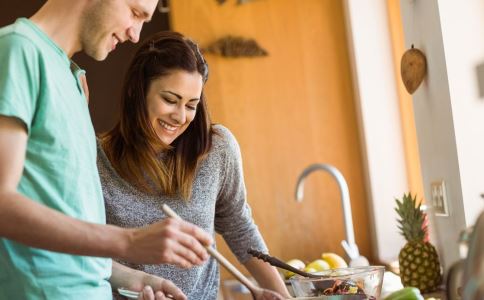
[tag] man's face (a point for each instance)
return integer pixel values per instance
(106, 23)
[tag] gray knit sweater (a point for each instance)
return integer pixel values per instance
(218, 204)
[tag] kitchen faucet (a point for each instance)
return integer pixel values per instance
(349, 244)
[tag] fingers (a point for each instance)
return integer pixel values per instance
(147, 293)
(168, 291)
(184, 241)
(160, 296)
(169, 288)
(170, 241)
(204, 238)
(190, 252)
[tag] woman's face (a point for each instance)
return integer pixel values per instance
(172, 103)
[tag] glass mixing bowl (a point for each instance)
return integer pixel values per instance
(345, 283)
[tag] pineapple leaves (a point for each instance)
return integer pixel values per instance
(412, 218)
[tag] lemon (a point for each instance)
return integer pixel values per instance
(319, 265)
(308, 269)
(334, 260)
(296, 263)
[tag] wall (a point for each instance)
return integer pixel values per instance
(464, 50)
(387, 156)
(448, 111)
(287, 110)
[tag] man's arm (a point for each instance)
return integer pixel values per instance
(267, 276)
(35, 225)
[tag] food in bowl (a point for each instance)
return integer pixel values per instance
(352, 283)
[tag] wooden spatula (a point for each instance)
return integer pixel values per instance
(257, 292)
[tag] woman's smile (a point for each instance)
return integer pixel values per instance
(167, 126)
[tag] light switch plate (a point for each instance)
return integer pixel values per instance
(480, 79)
(439, 198)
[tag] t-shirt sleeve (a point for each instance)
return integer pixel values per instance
(233, 217)
(19, 78)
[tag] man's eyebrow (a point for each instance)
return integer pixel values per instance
(147, 16)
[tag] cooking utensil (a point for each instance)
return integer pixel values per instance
(273, 261)
(256, 292)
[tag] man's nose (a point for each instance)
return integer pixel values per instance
(134, 32)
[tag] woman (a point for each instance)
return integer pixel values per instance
(165, 150)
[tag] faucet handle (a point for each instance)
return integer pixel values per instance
(356, 260)
(350, 249)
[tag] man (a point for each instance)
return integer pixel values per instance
(54, 244)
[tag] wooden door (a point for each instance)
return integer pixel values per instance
(288, 110)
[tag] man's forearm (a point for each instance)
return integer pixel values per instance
(36, 225)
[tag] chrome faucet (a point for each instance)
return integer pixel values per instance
(349, 244)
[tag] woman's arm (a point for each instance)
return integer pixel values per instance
(233, 217)
(267, 276)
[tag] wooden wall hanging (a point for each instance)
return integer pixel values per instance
(238, 1)
(413, 69)
(233, 46)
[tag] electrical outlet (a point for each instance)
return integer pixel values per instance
(439, 198)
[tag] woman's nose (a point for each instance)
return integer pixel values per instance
(179, 115)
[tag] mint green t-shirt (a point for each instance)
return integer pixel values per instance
(40, 86)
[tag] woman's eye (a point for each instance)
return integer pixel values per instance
(169, 101)
(191, 107)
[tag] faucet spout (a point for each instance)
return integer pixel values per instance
(349, 244)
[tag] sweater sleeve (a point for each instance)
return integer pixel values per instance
(233, 217)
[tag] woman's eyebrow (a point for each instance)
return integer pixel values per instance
(180, 97)
(174, 94)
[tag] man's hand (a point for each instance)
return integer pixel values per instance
(149, 294)
(169, 241)
(149, 286)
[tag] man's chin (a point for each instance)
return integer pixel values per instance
(100, 57)
(97, 55)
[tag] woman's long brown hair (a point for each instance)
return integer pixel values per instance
(130, 145)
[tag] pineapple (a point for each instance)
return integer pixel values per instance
(418, 259)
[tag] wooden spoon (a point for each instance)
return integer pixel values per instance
(256, 292)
